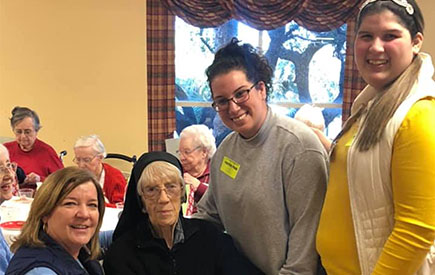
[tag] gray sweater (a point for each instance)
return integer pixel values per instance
(267, 193)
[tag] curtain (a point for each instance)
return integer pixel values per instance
(315, 15)
(161, 74)
(353, 82)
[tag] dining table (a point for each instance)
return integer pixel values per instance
(14, 212)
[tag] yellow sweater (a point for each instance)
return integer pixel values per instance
(413, 180)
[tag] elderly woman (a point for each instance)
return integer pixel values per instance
(313, 118)
(197, 146)
(60, 235)
(152, 237)
(35, 157)
(7, 174)
(89, 154)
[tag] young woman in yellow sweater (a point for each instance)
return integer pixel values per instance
(379, 212)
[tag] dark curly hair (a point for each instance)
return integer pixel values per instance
(244, 58)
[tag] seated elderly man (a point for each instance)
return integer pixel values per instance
(89, 154)
(7, 179)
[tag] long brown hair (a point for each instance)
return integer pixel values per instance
(384, 106)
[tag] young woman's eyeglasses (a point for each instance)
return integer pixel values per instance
(11, 166)
(221, 104)
(153, 192)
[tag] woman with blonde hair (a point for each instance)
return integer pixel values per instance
(60, 235)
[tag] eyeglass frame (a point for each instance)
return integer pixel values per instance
(171, 194)
(188, 152)
(84, 161)
(226, 101)
(26, 132)
(11, 166)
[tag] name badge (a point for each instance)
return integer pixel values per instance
(230, 167)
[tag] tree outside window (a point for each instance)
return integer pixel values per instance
(308, 69)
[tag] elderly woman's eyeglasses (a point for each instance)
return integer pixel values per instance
(26, 132)
(153, 192)
(221, 104)
(6, 169)
(84, 160)
(187, 152)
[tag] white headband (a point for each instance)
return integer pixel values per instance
(403, 3)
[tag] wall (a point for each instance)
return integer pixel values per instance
(81, 65)
(428, 9)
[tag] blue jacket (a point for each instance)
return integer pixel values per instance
(5, 254)
(52, 256)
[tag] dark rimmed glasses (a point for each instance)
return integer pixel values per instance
(221, 104)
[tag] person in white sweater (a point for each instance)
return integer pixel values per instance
(268, 177)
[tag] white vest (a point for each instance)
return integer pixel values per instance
(369, 178)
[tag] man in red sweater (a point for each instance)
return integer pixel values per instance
(89, 154)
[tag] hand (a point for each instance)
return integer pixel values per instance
(189, 179)
(326, 142)
(32, 178)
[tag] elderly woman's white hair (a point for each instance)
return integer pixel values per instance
(312, 116)
(4, 150)
(93, 141)
(201, 135)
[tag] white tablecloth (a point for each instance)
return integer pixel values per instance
(17, 209)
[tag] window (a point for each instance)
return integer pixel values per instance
(308, 69)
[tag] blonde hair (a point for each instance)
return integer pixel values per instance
(55, 189)
(161, 171)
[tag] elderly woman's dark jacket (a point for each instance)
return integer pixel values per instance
(205, 251)
(135, 250)
(52, 256)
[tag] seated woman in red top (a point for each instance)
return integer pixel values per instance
(89, 154)
(197, 146)
(35, 157)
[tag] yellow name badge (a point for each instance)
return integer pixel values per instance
(230, 167)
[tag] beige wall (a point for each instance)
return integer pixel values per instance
(428, 9)
(81, 65)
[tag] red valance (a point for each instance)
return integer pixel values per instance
(314, 15)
